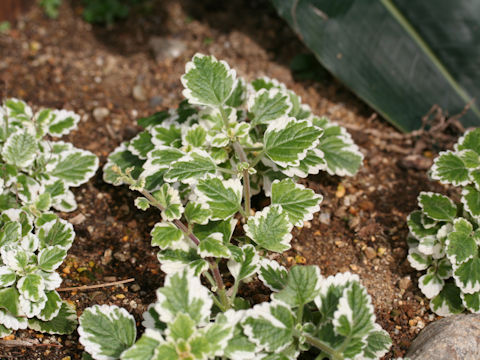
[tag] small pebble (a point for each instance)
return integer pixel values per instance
(120, 256)
(135, 287)
(138, 93)
(370, 252)
(324, 218)
(78, 219)
(100, 113)
(404, 283)
(107, 257)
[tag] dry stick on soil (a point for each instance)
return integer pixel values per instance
(17, 343)
(88, 287)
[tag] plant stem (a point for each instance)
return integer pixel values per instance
(234, 290)
(319, 344)
(246, 177)
(257, 158)
(220, 285)
(300, 314)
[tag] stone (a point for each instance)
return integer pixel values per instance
(166, 49)
(404, 283)
(155, 101)
(452, 338)
(100, 113)
(370, 253)
(324, 218)
(138, 93)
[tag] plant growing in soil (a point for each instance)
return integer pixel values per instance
(444, 235)
(200, 165)
(36, 175)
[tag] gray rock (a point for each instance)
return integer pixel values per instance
(100, 113)
(164, 48)
(155, 101)
(452, 338)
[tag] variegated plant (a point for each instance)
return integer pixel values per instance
(35, 176)
(200, 166)
(30, 252)
(35, 171)
(445, 236)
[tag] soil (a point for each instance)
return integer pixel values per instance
(68, 63)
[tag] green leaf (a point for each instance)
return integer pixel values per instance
(378, 343)
(471, 201)
(18, 109)
(213, 246)
(178, 260)
(31, 287)
(461, 245)
(467, 275)
(341, 155)
(272, 274)
(286, 140)
(437, 206)
(167, 135)
(245, 263)
(191, 167)
(195, 136)
(20, 149)
(74, 167)
(54, 232)
(471, 301)
(169, 200)
(106, 331)
(225, 227)
(9, 300)
(123, 159)
(267, 105)
(155, 119)
(181, 328)
(303, 285)
(165, 235)
(354, 316)
(161, 158)
(144, 348)
(10, 232)
(141, 144)
(61, 122)
(196, 213)
(416, 227)
(208, 81)
(353, 40)
(222, 197)
(183, 293)
(298, 202)
(269, 326)
(51, 257)
(448, 302)
(52, 306)
(237, 97)
(430, 284)
(142, 203)
(469, 141)
(4, 331)
(270, 229)
(7, 276)
(448, 168)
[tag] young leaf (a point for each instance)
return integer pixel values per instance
(342, 156)
(437, 206)
(195, 136)
(270, 229)
(298, 202)
(106, 331)
(222, 197)
(169, 199)
(288, 140)
(272, 274)
(196, 213)
(213, 246)
(267, 105)
(173, 261)
(166, 235)
(51, 257)
(430, 284)
(208, 81)
(31, 287)
(191, 167)
(270, 326)
(144, 348)
(470, 140)
(54, 232)
(142, 203)
(303, 285)
(245, 263)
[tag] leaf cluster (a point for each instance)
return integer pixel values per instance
(200, 165)
(36, 175)
(444, 235)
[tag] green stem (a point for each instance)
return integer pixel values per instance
(253, 148)
(246, 177)
(300, 314)
(319, 344)
(218, 303)
(224, 117)
(226, 171)
(234, 290)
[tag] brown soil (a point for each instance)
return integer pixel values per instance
(67, 63)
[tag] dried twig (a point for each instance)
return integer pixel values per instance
(88, 287)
